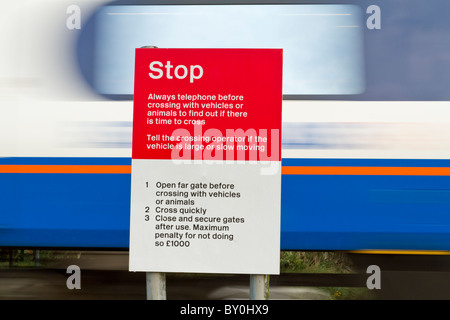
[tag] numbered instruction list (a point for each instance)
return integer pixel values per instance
(195, 219)
(180, 218)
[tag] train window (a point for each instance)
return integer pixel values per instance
(385, 50)
(323, 44)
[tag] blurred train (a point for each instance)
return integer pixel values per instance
(366, 116)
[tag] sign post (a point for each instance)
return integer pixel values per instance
(156, 285)
(206, 161)
(259, 287)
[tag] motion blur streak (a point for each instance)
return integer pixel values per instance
(365, 137)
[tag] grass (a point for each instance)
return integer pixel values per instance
(315, 262)
(23, 258)
(325, 262)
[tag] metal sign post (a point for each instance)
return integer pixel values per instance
(259, 287)
(156, 286)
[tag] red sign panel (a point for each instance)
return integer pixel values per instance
(207, 104)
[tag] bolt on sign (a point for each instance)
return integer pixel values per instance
(206, 161)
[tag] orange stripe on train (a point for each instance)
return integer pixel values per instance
(65, 169)
(286, 170)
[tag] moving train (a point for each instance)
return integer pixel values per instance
(366, 116)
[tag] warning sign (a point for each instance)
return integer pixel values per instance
(206, 161)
